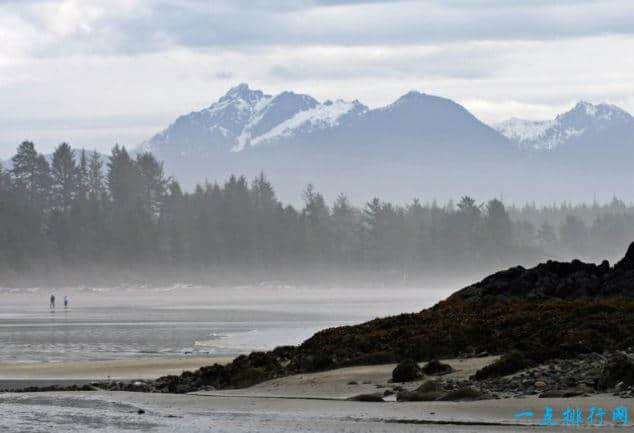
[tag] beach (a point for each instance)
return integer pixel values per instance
(315, 402)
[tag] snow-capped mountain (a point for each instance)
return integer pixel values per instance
(296, 139)
(245, 118)
(584, 120)
(418, 146)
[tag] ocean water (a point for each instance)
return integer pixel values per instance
(106, 323)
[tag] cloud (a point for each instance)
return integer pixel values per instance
(118, 26)
(95, 60)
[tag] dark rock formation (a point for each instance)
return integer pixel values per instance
(557, 280)
(509, 363)
(435, 367)
(406, 371)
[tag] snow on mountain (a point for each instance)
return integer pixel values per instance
(244, 117)
(419, 145)
(526, 133)
(584, 118)
(321, 116)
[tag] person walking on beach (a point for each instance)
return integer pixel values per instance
(52, 305)
(65, 301)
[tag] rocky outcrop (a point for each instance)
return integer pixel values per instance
(557, 280)
(406, 371)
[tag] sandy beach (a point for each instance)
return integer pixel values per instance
(314, 402)
(343, 383)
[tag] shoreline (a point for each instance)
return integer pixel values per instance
(292, 403)
(116, 369)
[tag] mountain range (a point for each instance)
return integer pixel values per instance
(418, 146)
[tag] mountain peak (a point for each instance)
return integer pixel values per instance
(602, 112)
(243, 92)
(583, 119)
(412, 95)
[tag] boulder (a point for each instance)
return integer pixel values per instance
(429, 385)
(464, 393)
(419, 396)
(406, 371)
(435, 367)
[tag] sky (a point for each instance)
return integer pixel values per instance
(95, 73)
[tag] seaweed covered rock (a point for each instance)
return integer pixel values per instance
(564, 280)
(435, 367)
(406, 371)
(244, 371)
(509, 363)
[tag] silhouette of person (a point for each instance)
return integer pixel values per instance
(65, 301)
(52, 302)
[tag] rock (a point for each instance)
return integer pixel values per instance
(509, 363)
(388, 392)
(372, 398)
(138, 386)
(419, 396)
(466, 393)
(540, 384)
(429, 385)
(140, 411)
(353, 382)
(435, 367)
(620, 368)
(406, 371)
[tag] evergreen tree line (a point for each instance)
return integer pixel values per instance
(81, 212)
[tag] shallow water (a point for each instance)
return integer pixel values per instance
(114, 413)
(116, 324)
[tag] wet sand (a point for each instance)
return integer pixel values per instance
(119, 411)
(123, 369)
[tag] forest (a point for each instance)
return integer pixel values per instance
(78, 217)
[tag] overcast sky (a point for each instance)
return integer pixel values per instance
(98, 72)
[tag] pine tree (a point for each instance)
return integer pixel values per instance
(65, 177)
(96, 187)
(82, 176)
(25, 169)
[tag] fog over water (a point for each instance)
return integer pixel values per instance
(181, 321)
